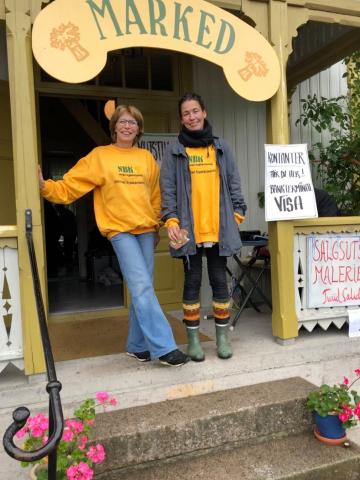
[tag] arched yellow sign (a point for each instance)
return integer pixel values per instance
(71, 39)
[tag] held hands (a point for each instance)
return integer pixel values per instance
(41, 178)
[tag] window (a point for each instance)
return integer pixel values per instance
(133, 68)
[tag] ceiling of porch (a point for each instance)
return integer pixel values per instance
(318, 46)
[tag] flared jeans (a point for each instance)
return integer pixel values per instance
(149, 329)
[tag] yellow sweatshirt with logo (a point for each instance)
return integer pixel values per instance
(205, 195)
(126, 188)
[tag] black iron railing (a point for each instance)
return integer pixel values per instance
(53, 387)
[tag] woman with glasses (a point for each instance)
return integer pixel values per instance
(125, 181)
(201, 194)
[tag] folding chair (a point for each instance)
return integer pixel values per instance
(260, 256)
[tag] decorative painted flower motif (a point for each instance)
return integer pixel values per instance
(68, 36)
(255, 66)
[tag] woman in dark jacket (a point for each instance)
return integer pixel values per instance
(201, 198)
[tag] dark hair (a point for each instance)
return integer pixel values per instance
(134, 112)
(191, 96)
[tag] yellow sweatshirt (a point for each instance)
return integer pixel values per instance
(126, 188)
(205, 195)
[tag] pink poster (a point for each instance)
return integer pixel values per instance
(333, 273)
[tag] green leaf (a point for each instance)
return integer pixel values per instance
(42, 474)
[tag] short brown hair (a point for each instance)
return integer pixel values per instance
(134, 112)
(190, 96)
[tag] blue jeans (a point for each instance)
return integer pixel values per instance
(148, 326)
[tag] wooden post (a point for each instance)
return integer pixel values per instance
(24, 138)
(284, 320)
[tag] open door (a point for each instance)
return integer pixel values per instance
(82, 270)
(83, 273)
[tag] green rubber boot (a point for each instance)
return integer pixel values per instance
(222, 342)
(194, 349)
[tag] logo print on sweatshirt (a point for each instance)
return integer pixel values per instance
(195, 159)
(124, 169)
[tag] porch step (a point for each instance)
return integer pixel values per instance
(295, 457)
(265, 416)
(176, 427)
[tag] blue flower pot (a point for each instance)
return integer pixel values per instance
(330, 426)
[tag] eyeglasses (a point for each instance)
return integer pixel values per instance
(131, 123)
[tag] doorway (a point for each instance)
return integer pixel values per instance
(82, 270)
(85, 277)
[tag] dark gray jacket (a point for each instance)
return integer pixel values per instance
(175, 182)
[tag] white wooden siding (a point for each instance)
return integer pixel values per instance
(328, 83)
(243, 124)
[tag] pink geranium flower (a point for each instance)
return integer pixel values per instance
(68, 435)
(343, 417)
(82, 442)
(22, 432)
(96, 453)
(102, 397)
(38, 425)
(76, 459)
(75, 425)
(82, 471)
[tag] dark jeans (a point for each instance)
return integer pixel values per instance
(216, 266)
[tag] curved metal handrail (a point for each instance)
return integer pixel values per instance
(53, 387)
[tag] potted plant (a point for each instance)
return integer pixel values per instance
(335, 408)
(337, 156)
(76, 458)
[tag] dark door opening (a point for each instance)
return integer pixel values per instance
(82, 271)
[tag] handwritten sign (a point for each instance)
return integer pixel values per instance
(333, 274)
(289, 192)
(71, 39)
(156, 143)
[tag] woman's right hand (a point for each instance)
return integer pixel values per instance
(41, 178)
(174, 233)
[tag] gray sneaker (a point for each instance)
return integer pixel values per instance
(174, 358)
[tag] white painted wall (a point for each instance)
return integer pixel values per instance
(328, 83)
